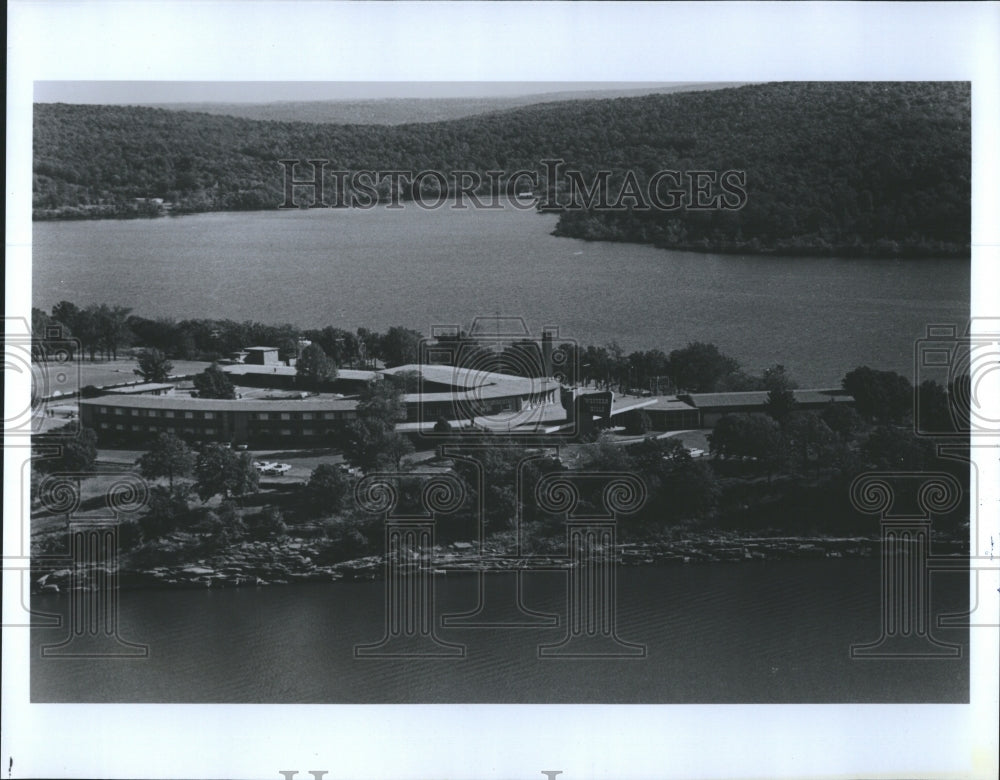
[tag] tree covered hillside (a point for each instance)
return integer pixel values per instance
(848, 168)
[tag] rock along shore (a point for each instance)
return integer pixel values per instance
(259, 564)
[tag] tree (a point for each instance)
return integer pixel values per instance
(288, 347)
(730, 436)
(776, 377)
(882, 396)
(442, 426)
(507, 464)
(78, 454)
(225, 526)
(162, 334)
(83, 325)
(340, 345)
(638, 423)
(369, 345)
(754, 436)
(66, 313)
(961, 402)
(780, 398)
(169, 457)
(219, 469)
(40, 323)
(314, 366)
(349, 537)
(405, 381)
(327, 487)
(371, 441)
(648, 369)
(214, 383)
(153, 366)
(780, 403)
(164, 509)
(841, 419)
(605, 455)
(268, 524)
(382, 401)
(808, 440)
(699, 367)
(889, 448)
(652, 455)
(369, 444)
(739, 382)
(400, 346)
(689, 491)
(112, 328)
(933, 408)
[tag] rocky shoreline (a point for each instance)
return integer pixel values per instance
(261, 564)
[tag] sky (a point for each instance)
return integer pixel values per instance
(133, 92)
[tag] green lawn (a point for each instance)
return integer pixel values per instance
(68, 378)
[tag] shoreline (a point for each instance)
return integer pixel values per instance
(258, 564)
(886, 249)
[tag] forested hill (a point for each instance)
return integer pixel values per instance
(400, 111)
(839, 168)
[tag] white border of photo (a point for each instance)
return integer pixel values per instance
(612, 42)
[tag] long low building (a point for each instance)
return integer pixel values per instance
(463, 394)
(456, 395)
(133, 418)
(712, 407)
(276, 375)
(667, 413)
(430, 392)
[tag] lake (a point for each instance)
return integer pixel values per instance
(752, 632)
(820, 317)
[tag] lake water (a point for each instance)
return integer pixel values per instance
(776, 631)
(820, 317)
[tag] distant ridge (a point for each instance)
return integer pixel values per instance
(831, 168)
(398, 111)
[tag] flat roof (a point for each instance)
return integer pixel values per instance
(260, 349)
(620, 406)
(188, 404)
(142, 387)
(759, 397)
(538, 420)
(485, 383)
(668, 403)
(282, 370)
(476, 393)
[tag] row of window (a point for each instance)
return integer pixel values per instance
(170, 413)
(203, 431)
(299, 415)
(153, 428)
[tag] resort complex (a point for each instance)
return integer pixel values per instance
(273, 408)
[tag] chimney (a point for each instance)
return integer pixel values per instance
(546, 354)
